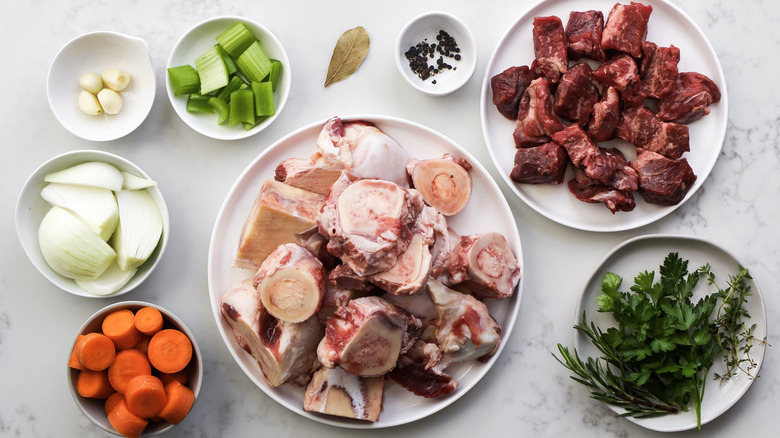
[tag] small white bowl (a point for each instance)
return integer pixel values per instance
(199, 39)
(426, 27)
(94, 409)
(95, 52)
(31, 208)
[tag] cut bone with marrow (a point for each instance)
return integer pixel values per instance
(312, 175)
(286, 352)
(334, 391)
(366, 337)
(291, 283)
(444, 183)
(410, 271)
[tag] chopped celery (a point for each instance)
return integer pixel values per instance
(221, 107)
(253, 63)
(276, 71)
(242, 107)
(230, 64)
(198, 103)
(264, 98)
(184, 80)
(233, 85)
(236, 39)
(212, 71)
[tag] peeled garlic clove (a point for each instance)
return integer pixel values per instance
(89, 104)
(115, 79)
(110, 100)
(91, 82)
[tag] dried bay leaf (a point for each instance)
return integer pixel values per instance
(350, 50)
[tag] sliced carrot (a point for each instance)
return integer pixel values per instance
(180, 400)
(143, 345)
(73, 361)
(126, 422)
(145, 396)
(148, 320)
(182, 377)
(95, 351)
(93, 384)
(170, 350)
(119, 326)
(126, 365)
(112, 400)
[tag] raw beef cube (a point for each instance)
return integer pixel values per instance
(589, 190)
(536, 119)
(550, 47)
(625, 177)
(540, 165)
(689, 98)
(626, 28)
(618, 71)
(508, 87)
(576, 94)
(640, 127)
(662, 181)
(583, 35)
(605, 116)
(658, 69)
(634, 93)
(577, 143)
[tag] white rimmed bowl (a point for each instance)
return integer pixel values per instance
(31, 208)
(95, 52)
(199, 39)
(94, 409)
(425, 27)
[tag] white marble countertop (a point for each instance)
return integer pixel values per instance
(526, 393)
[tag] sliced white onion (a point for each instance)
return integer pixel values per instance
(135, 182)
(71, 248)
(111, 281)
(92, 173)
(139, 229)
(94, 205)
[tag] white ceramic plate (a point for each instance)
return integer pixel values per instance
(667, 25)
(400, 406)
(647, 253)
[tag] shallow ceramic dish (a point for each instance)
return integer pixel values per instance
(647, 253)
(95, 52)
(426, 27)
(668, 25)
(199, 39)
(31, 208)
(94, 409)
(399, 406)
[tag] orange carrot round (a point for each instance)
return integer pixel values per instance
(95, 351)
(93, 384)
(143, 344)
(126, 422)
(180, 400)
(127, 364)
(112, 400)
(170, 350)
(182, 377)
(119, 326)
(145, 396)
(148, 320)
(73, 361)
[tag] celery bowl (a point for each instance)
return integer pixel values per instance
(196, 51)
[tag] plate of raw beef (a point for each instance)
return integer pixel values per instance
(398, 406)
(604, 116)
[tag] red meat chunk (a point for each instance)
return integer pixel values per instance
(640, 127)
(583, 35)
(618, 71)
(536, 118)
(550, 47)
(576, 94)
(626, 28)
(662, 181)
(625, 177)
(658, 68)
(577, 143)
(540, 165)
(605, 116)
(589, 190)
(508, 87)
(689, 98)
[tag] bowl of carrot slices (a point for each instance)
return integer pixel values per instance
(135, 369)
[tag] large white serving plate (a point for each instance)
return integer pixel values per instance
(668, 25)
(486, 211)
(646, 253)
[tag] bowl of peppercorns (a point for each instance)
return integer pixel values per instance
(436, 53)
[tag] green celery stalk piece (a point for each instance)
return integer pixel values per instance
(212, 71)
(198, 103)
(276, 71)
(233, 85)
(264, 98)
(236, 39)
(221, 107)
(230, 64)
(242, 107)
(184, 80)
(253, 63)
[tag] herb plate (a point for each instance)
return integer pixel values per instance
(647, 253)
